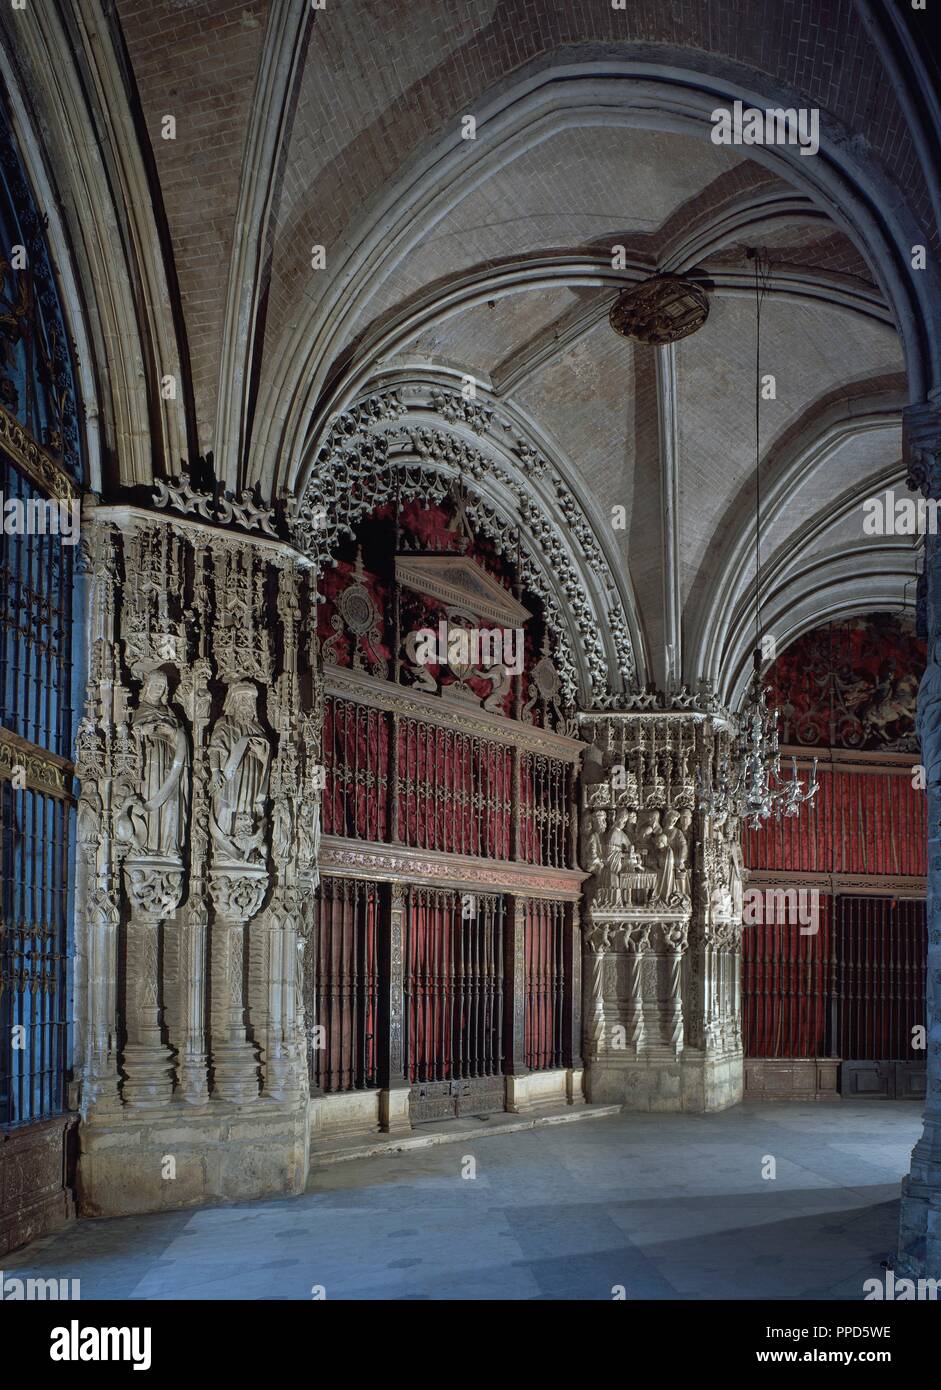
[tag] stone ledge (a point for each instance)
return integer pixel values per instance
(223, 1154)
(326, 1154)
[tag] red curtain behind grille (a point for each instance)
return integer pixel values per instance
(544, 970)
(345, 985)
(785, 987)
(356, 760)
(858, 823)
(456, 791)
(543, 785)
(428, 982)
(881, 950)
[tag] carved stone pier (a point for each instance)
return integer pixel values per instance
(198, 742)
(153, 887)
(662, 1030)
(920, 1221)
(237, 892)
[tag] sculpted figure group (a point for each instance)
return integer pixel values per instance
(637, 857)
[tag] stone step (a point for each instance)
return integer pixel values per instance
(343, 1148)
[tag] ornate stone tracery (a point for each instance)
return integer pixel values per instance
(368, 460)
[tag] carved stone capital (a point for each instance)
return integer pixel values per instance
(921, 448)
(675, 936)
(598, 936)
(237, 890)
(154, 885)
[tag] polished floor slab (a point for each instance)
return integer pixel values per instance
(663, 1206)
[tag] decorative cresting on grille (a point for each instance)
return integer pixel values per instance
(368, 461)
(545, 815)
(38, 416)
(356, 758)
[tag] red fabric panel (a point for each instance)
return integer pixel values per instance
(858, 823)
(786, 986)
(544, 975)
(881, 947)
(429, 985)
(345, 985)
(356, 759)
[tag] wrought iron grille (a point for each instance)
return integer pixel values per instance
(344, 983)
(356, 753)
(35, 628)
(454, 946)
(786, 991)
(544, 810)
(855, 989)
(543, 1038)
(35, 829)
(455, 791)
(881, 954)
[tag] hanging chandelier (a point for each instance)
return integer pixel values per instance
(749, 783)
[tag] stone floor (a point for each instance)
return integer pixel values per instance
(669, 1206)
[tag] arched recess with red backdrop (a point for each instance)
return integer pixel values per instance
(844, 976)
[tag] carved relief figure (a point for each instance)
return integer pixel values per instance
(665, 887)
(675, 826)
(593, 842)
(308, 839)
(620, 858)
(282, 830)
(239, 758)
(648, 829)
(736, 879)
(154, 818)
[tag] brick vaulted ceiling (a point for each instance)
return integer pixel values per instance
(369, 89)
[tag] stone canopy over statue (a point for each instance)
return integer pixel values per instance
(239, 759)
(153, 820)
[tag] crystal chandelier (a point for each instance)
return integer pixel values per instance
(750, 784)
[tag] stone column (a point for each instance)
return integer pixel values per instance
(394, 1088)
(193, 1061)
(514, 986)
(237, 894)
(676, 939)
(572, 1017)
(190, 1027)
(153, 887)
(101, 750)
(920, 1221)
(637, 944)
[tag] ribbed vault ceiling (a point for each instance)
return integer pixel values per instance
(500, 270)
